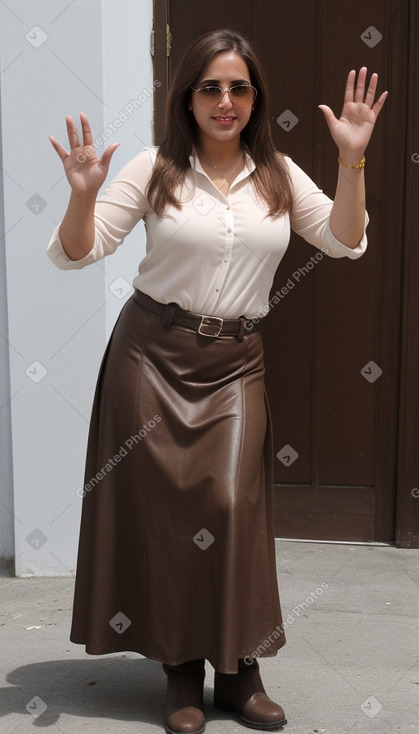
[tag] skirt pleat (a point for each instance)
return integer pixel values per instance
(176, 556)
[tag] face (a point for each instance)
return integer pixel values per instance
(223, 121)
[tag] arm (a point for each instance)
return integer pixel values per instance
(94, 227)
(311, 213)
(85, 174)
(351, 134)
(347, 217)
(77, 230)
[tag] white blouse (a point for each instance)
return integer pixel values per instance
(218, 254)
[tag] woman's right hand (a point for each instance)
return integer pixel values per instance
(85, 172)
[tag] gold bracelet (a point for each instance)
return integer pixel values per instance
(361, 163)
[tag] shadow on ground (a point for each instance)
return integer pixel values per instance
(116, 688)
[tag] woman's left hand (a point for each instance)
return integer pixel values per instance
(353, 130)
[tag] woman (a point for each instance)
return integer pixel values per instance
(176, 554)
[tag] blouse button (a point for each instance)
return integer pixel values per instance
(229, 230)
(226, 259)
(216, 290)
(228, 208)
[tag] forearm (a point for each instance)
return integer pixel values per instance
(77, 229)
(347, 218)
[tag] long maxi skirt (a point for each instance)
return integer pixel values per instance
(176, 556)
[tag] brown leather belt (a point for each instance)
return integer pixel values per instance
(211, 326)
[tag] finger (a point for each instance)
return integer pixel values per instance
(350, 86)
(372, 88)
(73, 137)
(60, 150)
(107, 154)
(360, 85)
(379, 103)
(87, 133)
(330, 117)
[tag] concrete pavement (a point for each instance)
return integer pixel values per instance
(350, 664)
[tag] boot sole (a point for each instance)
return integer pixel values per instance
(252, 724)
(198, 731)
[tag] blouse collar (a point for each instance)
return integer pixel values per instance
(247, 170)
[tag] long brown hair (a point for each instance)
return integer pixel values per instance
(270, 178)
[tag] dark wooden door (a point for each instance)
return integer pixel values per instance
(334, 343)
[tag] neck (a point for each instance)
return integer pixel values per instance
(219, 153)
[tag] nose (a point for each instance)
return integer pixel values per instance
(225, 101)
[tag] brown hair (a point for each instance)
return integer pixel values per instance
(271, 178)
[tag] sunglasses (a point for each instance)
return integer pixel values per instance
(241, 95)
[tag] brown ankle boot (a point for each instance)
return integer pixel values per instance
(185, 713)
(243, 692)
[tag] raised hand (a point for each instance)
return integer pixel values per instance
(352, 131)
(85, 172)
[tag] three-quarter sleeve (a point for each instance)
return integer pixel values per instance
(117, 211)
(310, 216)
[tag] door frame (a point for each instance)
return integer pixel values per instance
(407, 520)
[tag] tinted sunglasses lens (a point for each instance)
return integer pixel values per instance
(242, 95)
(209, 96)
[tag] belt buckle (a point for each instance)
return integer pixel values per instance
(210, 326)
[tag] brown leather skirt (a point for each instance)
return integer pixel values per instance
(176, 555)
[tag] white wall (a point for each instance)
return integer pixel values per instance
(59, 58)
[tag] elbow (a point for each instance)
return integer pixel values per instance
(349, 238)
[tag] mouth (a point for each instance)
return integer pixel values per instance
(226, 120)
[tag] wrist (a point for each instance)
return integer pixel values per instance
(84, 197)
(351, 157)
